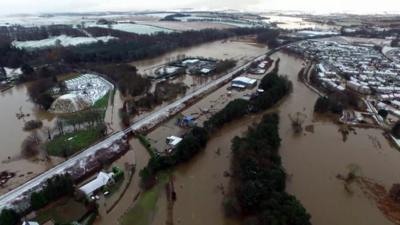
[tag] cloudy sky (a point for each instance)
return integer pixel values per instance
(319, 6)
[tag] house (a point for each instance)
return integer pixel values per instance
(101, 180)
(243, 82)
(173, 141)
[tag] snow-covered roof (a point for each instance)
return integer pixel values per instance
(190, 61)
(101, 180)
(205, 70)
(245, 80)
(173, 140)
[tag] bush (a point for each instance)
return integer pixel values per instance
(31, 146)
(32, 125)
(326, 104)
(234, 110)
(9, 217)
(190, 145)
(383, 113)
(55, 187)
(118, 174)
(396, 130)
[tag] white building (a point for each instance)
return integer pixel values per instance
(173, 141)
(101, 180)
(244, 82)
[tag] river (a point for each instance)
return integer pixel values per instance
(312, 161)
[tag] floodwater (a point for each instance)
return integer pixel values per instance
(240, 49)
(312, 161)
(13, 101)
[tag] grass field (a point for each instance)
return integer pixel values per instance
(70, 143)
(103, 102)
(144, 209)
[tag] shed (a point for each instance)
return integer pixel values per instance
(173, 141)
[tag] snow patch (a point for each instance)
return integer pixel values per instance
(62, 40)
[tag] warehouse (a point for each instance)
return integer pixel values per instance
(243, 82)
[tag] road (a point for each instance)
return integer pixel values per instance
(152, 119)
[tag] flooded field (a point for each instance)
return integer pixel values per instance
(13, 101)
(240, 49)
(312, 160)
(16, 100)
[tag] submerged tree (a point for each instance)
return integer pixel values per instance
(297, 121)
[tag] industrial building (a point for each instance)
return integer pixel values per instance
(243, 82)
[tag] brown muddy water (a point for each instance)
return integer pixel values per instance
(312, 161)
(13, 101)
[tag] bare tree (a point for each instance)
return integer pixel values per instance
(31, 146)
(297, 121)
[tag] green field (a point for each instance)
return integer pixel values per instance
(144, 209)
(68, 144)
(103, 102)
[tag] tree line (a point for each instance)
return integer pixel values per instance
(135, 47)
(257, 192)
(55, 188)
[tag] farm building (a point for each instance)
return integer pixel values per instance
(243, 82)
(101, 180)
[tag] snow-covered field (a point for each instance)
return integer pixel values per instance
(134, 28)
(63, 40)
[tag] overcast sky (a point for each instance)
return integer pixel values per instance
(319, 6)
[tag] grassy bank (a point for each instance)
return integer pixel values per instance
(144, 209)
(70, 143)
(147, 145)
